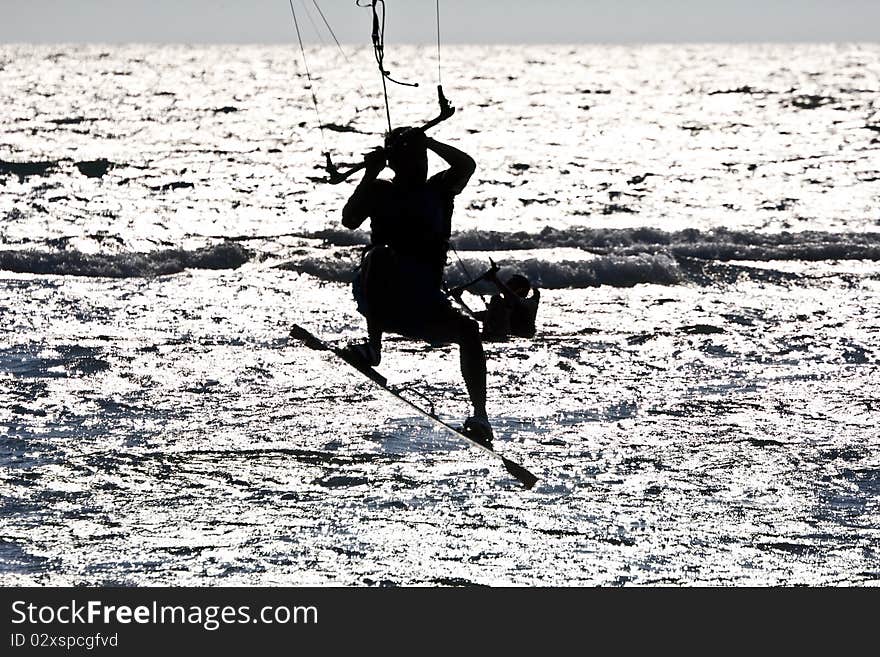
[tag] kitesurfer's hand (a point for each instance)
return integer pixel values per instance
(492, 273)
(446, 110)
(375, 161)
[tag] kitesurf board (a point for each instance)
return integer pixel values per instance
(522, 475)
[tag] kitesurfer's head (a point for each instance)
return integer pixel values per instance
(407, 154)
(519, 285)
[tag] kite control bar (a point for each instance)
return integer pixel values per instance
(335, 176)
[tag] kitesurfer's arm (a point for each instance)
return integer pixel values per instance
(506, 292)
(360, 204)
(461, 165)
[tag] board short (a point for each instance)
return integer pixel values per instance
(399, 293)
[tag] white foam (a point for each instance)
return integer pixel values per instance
(227, 255)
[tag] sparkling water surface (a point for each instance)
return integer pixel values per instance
(700, 403)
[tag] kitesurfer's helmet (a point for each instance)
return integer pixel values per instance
(407, 153)
(520, 285)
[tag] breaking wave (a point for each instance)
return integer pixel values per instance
(618, 271)
(614, 270)
(717, 244)
(227, 255)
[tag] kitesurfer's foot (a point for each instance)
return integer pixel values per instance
(478, 429)
(362, 355)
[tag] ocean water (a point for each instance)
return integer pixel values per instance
(700, 403)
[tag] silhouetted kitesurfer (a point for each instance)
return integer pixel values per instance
(512, 311)
(398, 287)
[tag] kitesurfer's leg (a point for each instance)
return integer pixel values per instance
(473, 364)
(381, 271)
(375, 293)
(374, 340)
(450, 326)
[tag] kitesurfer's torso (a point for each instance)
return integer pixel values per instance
(414, 220)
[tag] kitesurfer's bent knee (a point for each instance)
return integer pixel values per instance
(374, 289)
